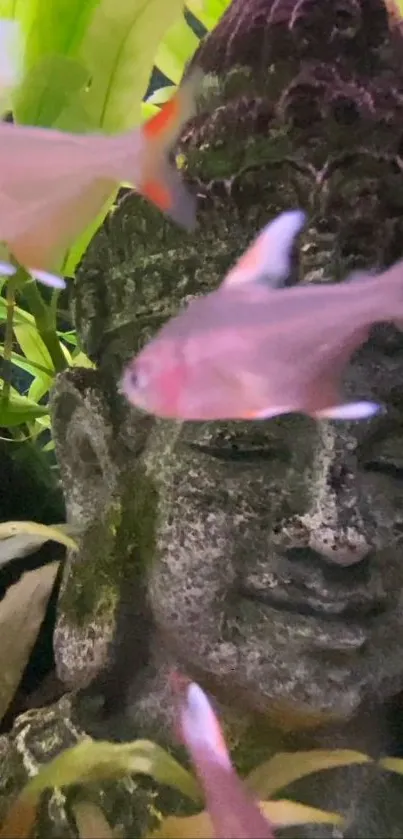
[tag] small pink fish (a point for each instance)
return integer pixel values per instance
(253, 350)
(53, 183)
(233, 812)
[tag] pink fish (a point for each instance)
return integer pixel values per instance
(233, 812)
(254, 350)
(52, 183)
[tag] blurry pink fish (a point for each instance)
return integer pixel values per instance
(253, 350)
(52, 183)
(233, 812)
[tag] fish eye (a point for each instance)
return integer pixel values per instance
(136, 378)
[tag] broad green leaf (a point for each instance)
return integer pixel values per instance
(22, 611)
(91, 822)
(48, 89)
(279, 813)
(55, 533)
(119, 48)
(19, 410)
(286, 767)
(14, 9)
(11, 61)
(393, 764)
(55, 27)
(208, 12)
(175, 50)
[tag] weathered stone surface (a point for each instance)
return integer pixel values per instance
(263, 557)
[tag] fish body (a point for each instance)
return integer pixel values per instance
(233, 812)
(53, 183)
(252, 349)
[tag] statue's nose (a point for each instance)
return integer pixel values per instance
(341, 547)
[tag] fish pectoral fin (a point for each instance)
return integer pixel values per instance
(350, 411)
(268, 258)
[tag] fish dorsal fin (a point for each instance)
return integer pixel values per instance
(269, 257)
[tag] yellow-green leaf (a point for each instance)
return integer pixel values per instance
(119, 48)
(393, 764)
(208, 12)
(287, 813)
(56, 533)
(176, 49)
(286, 767)
(279, 813)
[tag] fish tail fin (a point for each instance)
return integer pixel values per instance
(384, 291)
(162, 183)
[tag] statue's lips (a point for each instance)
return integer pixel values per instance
(290, 600)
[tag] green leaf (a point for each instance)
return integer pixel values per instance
(56, 533)
(29, 366)
(208, 12)
(33, 346)
(119, 49)
(48, 89)
(393, 764)
(80, 359)
(19, 410)
(286, 767)
(175, 50)
(279, 814)
(94, 761)
(55, 27)
(21, 614)
(39, 387)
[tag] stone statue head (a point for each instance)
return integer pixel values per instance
(265, 557)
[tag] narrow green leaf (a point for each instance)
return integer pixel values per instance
(175, 50)
(19, 410)
(393, 764)
(21, 614)
(48, 89)
(99, 760)
(286, 767)
(119, 49)
(29, 366)
(39, 387)
(79, 247)
(56, 533)
(33, 346)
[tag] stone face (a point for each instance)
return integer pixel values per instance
(263, 557)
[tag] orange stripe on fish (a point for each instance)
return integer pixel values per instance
(164, 119)
(157, 193)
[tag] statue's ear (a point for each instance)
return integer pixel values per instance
(83, 436)
(269, 257)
